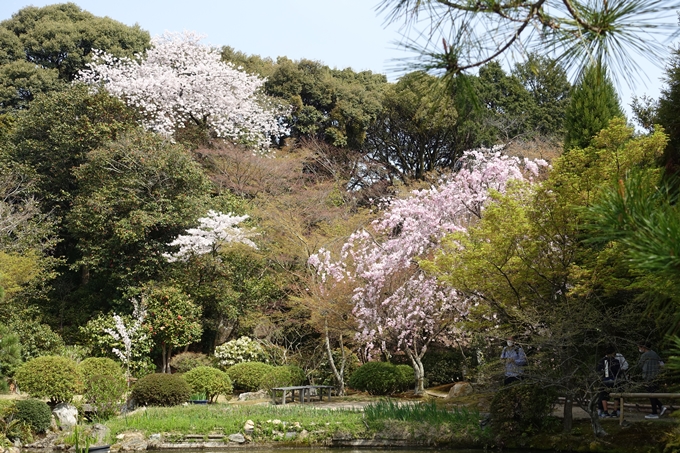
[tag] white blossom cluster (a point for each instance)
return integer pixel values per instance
(241, 350)
(214, 230)
(181, 81)
(128, 334)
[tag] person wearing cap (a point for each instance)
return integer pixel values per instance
(650, 364)
(514, 358)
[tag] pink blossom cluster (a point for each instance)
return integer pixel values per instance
(394, 300)
(179, 81)
(214, 230)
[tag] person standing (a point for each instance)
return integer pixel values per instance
(609, 368)
(650, 364)
(515, 360)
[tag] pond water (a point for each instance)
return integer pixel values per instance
(342, 450)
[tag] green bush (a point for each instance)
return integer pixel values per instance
(161, 390)
(105, 393)
(209, 381)
(95, 366)
(186, 361)
(378, 378)
(407, 378)
(249, 376)
(34, 412)
(283, 376)
(520, 409)
(53, 377)
(443, 367)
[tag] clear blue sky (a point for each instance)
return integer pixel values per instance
(339, 33)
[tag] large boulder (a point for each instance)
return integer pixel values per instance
(460, 389)
(66, 416)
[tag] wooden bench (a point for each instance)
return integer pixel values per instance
(304, 392)
(622, 395)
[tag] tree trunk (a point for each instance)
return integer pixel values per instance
(419, 371)
(598, 431)
(169, 356)
(164, 357)
(339, 375)
(568, 414)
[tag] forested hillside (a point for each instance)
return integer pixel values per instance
(204, 195)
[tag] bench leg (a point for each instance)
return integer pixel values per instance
(284, 397)
(621, 411)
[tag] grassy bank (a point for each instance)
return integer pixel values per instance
(423, 423)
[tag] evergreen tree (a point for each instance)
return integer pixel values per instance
(668, 113)
(593, 103)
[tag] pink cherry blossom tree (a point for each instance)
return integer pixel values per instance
(398, 306)
(181, 81)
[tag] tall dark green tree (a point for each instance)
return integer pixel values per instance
(62, 37)
(668, 113)
(56, 133)
(593, 103)
(415, 132)
(330, 104)
(546, 81)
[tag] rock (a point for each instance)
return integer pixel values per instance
(291, 435)
(66, 415)
(259, 395)
(276, 422)
(238, 438)
(46, 442)
(100, 433)
(133, 442)
(460, 389)
(155, 436)
(304, 434)
(249, 426)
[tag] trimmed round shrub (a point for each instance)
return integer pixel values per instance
(407, 378)
(283, 376)
(377, 378)
(241, 350)
(249, 376)
(208, 381)
(95, 366)
(53, 377)
(161, 390)
(34, 412)
(519, 409)
(186, 361)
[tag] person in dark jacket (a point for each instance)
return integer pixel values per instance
(650, 365)
(609, 368)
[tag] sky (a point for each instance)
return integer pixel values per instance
(339, 33)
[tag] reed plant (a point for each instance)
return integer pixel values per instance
(426, 412)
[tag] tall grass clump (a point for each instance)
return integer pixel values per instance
(427, 413)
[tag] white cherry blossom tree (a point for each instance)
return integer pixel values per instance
(181, 81)
(213, 231)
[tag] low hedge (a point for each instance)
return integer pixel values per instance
(250, 376)
(209, 381)
(381, 378)
(161, 390)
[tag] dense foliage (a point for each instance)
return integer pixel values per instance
(34, 412)
(161, 389)
(52, 377)
(250, 376)
(381, 378)
(209, 381)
